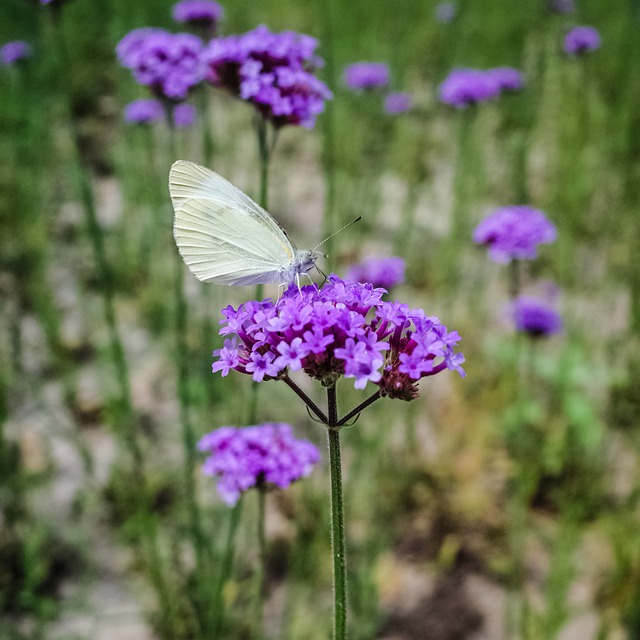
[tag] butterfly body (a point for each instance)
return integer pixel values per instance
(226, 238)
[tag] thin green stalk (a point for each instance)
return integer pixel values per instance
(260, 573)
(217, 606)
(337, 520)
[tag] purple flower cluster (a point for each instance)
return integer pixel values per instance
(145, 111)
(168, 63)
(366, 75)
(273, 71)
(342, 329)
(463, 87)
(14, 51)
(535, 317)
(514, 233)
(562, 6)
(395, 103)
(380, 272)
(184, 115)
(246, 457)
(206, 13)
(581, 40)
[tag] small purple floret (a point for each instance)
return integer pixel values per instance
(581, 40)
(380, 272)
(265, 454)
(535, 317)
(342, 329)
(198, 12)
(366, 75)
(145, 111)
(396, 103)
(446, 12)
(184, 115)
(514, 233)
(464, 87)
(14, 51)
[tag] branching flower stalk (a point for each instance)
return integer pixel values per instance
(341, 330)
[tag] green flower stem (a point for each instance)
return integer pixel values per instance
(515, 278)
(217, 607)
(337, 520)
(306, 399)
(261, 570)
(363, 405)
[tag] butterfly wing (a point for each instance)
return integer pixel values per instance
(223, 236)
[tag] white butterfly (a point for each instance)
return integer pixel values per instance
(225, 237)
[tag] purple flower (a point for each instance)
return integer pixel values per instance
(366, 75)
(463, 87)
(535, 317)
(146, 111)
(396, 103)
(446, 12)
(184, 115)
(342, 329)
(562, 6)
(206, 13)
(380, 272)
(14, 51)
(508, 78)
(169, 64)
(272, 71)
(514, 233)
(581, 40)
(265, 454)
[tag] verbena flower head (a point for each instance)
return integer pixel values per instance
(366, 75)
(396, 103)
(205, 13)
(168, 63)
(463, 87)
(343, 329)
(14, 51)
(246, 457)
(380, 272)
(184, 115)
(508, 78)
(272, 71)
(514, 233)
(535, 317)
(446, 12)
(581, 40)
(145, 111)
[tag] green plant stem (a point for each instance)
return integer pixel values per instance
(337, 520)
(306, 399)
(515, 279)
(226, 567)
(260, 574)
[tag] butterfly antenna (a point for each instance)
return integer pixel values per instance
(335, 233)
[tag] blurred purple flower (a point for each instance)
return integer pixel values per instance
(206, 13)
(463, 87)
(380, 272)
(342, 329)
(272, 71)
(14, 51)
(246, 457)
(514, 233)
(146, 111)
(446, 12)
(168, 63)
(581, 40)
(366, 75)
(184, 115)
(396, 103)
(535, 317)
(562, 6)
(508, 78)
